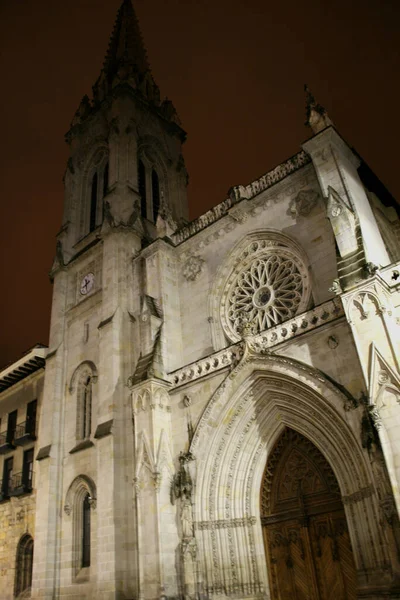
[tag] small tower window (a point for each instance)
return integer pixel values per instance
(155, 188)
(105, 180)
(142, 188)
(86, 532)
(86, 409)
(93, 203)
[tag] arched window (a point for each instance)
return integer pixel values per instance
(93, 203)
(24, 564)
(83, 378)
(105, 180)
(96, 187)
(80, 505)
(142, 188)
(155, 188)
(86, 409)
(86, 531)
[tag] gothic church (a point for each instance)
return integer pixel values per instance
(217, 413)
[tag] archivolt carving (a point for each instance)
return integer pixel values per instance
(301, 465)
(267, 362)
(242, 422)
(226, 523)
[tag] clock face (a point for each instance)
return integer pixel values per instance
(87, 284)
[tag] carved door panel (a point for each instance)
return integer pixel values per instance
(306, 540)
(289, 559)
(333, 558)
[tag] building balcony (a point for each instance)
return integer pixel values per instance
(6, 442)
(25, 433)
(20, 484)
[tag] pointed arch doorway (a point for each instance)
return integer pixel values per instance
(309, 555)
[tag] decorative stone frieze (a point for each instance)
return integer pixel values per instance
(226, 523)
(260, 344)
(358, 496)
(220, 360)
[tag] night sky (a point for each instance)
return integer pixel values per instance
(235, 71)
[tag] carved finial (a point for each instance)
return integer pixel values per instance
(317, 117)
(246, 327)
(165, 223)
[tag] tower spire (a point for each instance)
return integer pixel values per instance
(126, 45)
(126, 57)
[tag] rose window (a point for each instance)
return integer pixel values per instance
(269, 286)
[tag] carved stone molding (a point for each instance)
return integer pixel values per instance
(358, 496)
(220, 360)
(261, 344)
(225, 523)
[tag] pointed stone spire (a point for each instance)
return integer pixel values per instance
(126, 46)
(126, 59)
(317, 117)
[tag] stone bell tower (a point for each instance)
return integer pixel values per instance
(126, 166)
(113, 276)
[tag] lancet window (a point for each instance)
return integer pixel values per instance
(97, 188)
(149, 189)
(81, 387)
(24, 564)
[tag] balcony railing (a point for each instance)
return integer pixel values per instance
(21, 483)
(6, 442)
(5, 488)
(3, 491)
(25, 433)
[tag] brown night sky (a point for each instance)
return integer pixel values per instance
(235, 71)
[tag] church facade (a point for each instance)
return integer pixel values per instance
(217, 413)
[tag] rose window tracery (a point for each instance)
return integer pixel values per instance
(268, 286)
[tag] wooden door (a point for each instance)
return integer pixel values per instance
(304, 526)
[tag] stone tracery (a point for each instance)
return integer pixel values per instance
(266, 293)
(268, 284)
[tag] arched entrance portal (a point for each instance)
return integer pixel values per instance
(305, 532)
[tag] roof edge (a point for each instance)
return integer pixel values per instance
(32, 361)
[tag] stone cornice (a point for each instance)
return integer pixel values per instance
(259, 344)
(331, 137)
(239, 193)
(228, 357)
